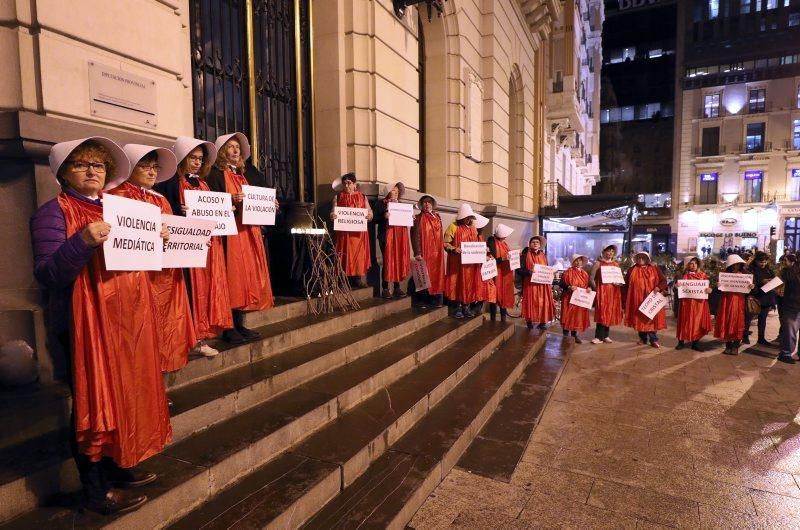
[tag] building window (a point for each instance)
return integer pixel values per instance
(795, 185)
(713, 9)
(772, 4)
(798, 97)
(757, 100)
(710, 142)
(791, 234)
(753, 185)
(708, 188)
(754, 140)
(745, 7)
(711, 106)
(796, 134)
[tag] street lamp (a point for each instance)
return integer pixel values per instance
(401, 5)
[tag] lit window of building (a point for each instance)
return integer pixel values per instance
(772, 4)
(754, 139)
(796, 134)
(708, 188)
(753, 186)
(745, 7)
(795, 195)
(713, 9)
(711, 105)
(757, 100)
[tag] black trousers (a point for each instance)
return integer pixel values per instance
(648, 336)
(761, 319)
(601, 331)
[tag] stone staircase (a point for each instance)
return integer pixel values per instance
(305, 426)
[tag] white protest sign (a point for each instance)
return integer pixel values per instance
(770, 285)
(473, 252)
(214, 206)
(513, 259)
(654, 303)
(732, 282)
(188, 241)
(611, 274)
(695, 289)
(543, 274)
(489, 269)
(419, 272)
(134, 243)
(401, 214)
(350, 219)
(582, 298)
(258, 206)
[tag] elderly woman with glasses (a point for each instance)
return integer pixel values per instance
(105, 320)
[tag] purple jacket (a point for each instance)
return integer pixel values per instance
(57, 260)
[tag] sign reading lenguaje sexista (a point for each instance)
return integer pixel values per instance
(213, 205)
(695, 289)
(187, 246)
(134, 242)
(258, 206)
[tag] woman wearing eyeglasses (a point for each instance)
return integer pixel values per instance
(105, 320)
(176, 335)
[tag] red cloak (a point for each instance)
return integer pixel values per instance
(211, 299)
(481, 286)
(505, 276)
(353, 247)
(574, 318)
(175, 332)
(537, 298)
(430, 226)
(608, 302)
(729, 324)
(640, 282)
(246, 259)
(461, 282)
(397, 254)
(694, 317)
(118, 392)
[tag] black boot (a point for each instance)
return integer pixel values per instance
(503, 314)
(696, 346)
(530, 324)
(231, 336)
(681, 345)
(238, 323)
(493, 312)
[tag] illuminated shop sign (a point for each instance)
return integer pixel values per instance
(709, 177)
(796, 173)
(753, 175)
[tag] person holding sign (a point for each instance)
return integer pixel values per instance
(245, 256)
(606, 279)
(106, 321)
(208, 287)
(176, 334)
(485, 290)
(762, 275)
(537, 298)
(790, 309)
(352, 247)
(694, 317)
(394, 244)
(504, 281)
(462, 279)
(729, 324)
(574, 318)
(426, 240)
(641, 280)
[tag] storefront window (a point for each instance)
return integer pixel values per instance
(562, 245)
(753, 185)
(791, 234)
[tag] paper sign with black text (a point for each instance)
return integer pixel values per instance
(419, 272)
(214, 206)
(543, 274)
(401, 214)
(473, 252)
(731, 282)
(188, 241)
(134, 243)
(582, 298)
(610, 274)
(489, 269)
(350, 219)
(258, 206)
(770, 285)
(695, 289)
(513, 259)
(654, 303)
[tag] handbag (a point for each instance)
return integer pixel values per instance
(753, 305)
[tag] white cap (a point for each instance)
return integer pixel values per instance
(481, 221)
(643, 253)
(578, 256)
(502, 231)
(689, 258)
(401, 188)
(61, 151)
(732, 260)
(244, 143)
(135, 152)
(464, 211)
(186, 144)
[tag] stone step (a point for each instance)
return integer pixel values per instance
(40, 467)
(33, 411)
(344, 449)
(204, 463)
(398, 482)
(286, 308)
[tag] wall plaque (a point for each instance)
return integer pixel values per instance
(122, 96)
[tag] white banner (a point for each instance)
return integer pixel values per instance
(350, 219)
(214, 206)
(419, 272)
(401, 214)
(695, 289)
(770, 285)
(513, 259)
(473, 252)
(654, 303)
(134, 243)
(188, 241)
(732, 282)
(582, 298)
(258, 207)
(543, 274)
(489, 269)
(611, 274)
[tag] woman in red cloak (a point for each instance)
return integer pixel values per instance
(504, 282)
(120, 414)
(537, 298)
(730, 322)
(426, 239)
(394, 245)
(352, 247)
(694, 317)
(608, 302)
(176, 335)
(574, 319)
(461, 281)
(641, 280)
(245, 256)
